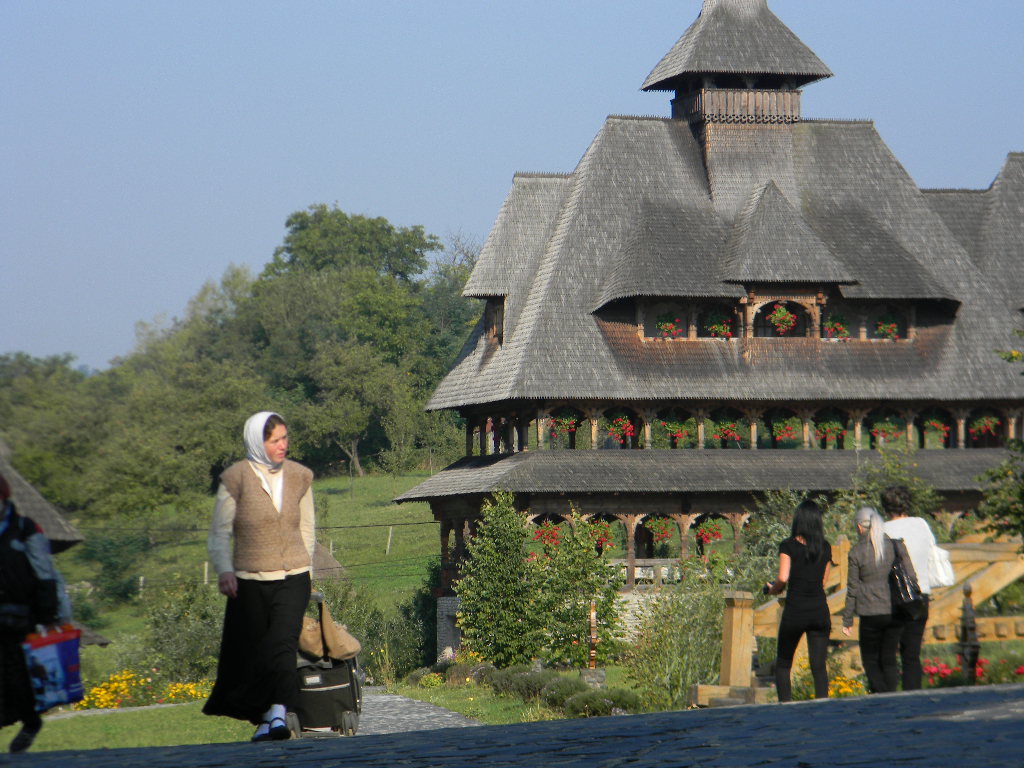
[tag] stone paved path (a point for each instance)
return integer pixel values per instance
(966, 728)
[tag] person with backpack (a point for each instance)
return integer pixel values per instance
(31, 594)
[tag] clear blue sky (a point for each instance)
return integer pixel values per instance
(145, 146)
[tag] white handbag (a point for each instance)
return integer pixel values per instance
(940, 569)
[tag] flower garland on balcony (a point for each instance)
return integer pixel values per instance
(887, 429)
(708, 531)
(785, 430)
(548, 533)
(719, 326)
(661, 528)
(782, 319)
(670, 326)
(835, 327)
(601, 533)
(830, 431)
(937, 427)
(984, 425)
(621, 428)
(563, 422)
(727, 430)
(888, 327)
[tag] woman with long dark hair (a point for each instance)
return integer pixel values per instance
(804, 562)
(265, 505)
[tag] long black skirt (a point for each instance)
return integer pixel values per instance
(258, 648)
(17, 701)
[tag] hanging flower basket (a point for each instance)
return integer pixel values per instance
(835, 327)
(830, 431)
(888, 327)
(670, 326)
(937, 427)
(621, 428)
(548, 533)
(719, 325)
(886, 430)
(661, 528)
(782, 319)
(727, 430)
(785, 430)
(985, 425)
(709, 531)
(600, 532)
(563, 422)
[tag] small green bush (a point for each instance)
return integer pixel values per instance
(557, 691)
(414, 677)
(432, 680)
(599, 703)
(501, 679)
(528, 686)
(481, 673)
(458, 675)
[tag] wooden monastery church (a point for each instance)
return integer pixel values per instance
(728, 300)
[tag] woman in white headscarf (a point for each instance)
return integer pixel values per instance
(261, 544)
(868, 596)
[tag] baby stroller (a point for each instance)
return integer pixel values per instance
(329, 687)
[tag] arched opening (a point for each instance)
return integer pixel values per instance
(782, 429)
(885, 426)
(718, 321)
(831, 429)
(936, 428)
(888, 322)
(620, 428)
(563, 426)
(657, 536)
(675, 428)
(710, 532)
(666, 320)
(727, 428)
(985, 429)
(781, 319)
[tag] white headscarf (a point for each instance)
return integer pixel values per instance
(252, 434)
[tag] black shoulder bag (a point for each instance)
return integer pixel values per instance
(908, 602)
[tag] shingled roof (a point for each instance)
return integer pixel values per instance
(30, 503)
(649, 211)
(736, 36)
(687, 471)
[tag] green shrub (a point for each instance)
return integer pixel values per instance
(458, 674)
(557, 691)
(414, 677)
(528, 685)
(501, 679)
(592, 703)
(432, 680)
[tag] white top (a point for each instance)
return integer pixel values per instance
(918, 536)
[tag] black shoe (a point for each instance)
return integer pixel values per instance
(278, 731)
(23, 740)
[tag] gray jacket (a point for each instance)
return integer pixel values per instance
(867, 585)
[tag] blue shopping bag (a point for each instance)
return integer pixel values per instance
(54, 668)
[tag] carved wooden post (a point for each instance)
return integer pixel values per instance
(470, 426)
(752, 416)
(648, 416)
(862, 327)
(446, 564)
(629, 522)
(699, 415)
(541, 429)
(523, 432)
(683, 523)
(805, 417)
(691, 324)
(908, 419)
(1011, 424)
(858, 426)
(592, 416)
(961, 427)
(737, 639)
(482, 437)
(736, 521)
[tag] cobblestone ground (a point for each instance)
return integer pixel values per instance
(966, 728)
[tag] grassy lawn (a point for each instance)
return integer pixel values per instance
(159, 727)
(481, 703)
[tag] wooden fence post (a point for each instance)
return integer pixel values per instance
(737, 639)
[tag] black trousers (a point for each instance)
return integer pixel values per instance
(816, 625)
(910, 650)
(879, 638)
(258, 649)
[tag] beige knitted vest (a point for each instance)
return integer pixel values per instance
(266, 540)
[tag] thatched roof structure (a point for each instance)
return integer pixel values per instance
(30, 503)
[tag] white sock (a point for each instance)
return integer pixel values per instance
(275, 711)
(262, 730)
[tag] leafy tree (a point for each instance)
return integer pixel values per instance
(498, 590)
(322, 237)
(1003, 501)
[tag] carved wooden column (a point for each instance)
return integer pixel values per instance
(629, 522)
(542, 428)
(470, 427)
(698, 416)
(862, 327)
(857, 417)
(805, 418)
(522, 432)
(592, 416)
(496, 427)
(648, 416)
(908, 418)
(485, 424)
(691, 324)
(752, 416)
(1012, 418)
(736, 521)
(912, 323)
(961, 415)
(683, 523)
(446, 564)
